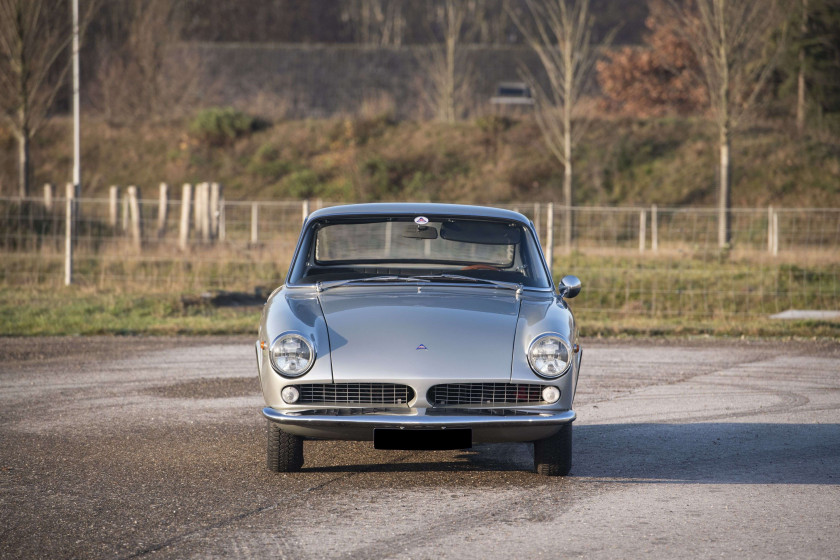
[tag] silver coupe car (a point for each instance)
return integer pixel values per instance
(419, 326)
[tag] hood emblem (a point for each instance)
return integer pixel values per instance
(422, 347)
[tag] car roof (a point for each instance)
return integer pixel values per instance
(418, 209)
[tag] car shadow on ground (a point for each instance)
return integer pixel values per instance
(708, 453)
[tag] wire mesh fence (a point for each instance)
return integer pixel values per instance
(640, 261)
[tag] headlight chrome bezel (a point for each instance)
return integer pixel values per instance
(563, 342)
(297, 336)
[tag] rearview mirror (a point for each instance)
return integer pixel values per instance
(569, 286)
(420, 232)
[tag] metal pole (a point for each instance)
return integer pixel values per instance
(69, 223)
(77, 167)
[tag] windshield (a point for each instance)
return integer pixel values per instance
(346, 249)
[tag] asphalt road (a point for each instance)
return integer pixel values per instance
(121, 447)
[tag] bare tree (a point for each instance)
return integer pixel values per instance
(730, 38)
(560, 31)
(142, 72)
(800, 79)
(33, 45)
(441, 66)
(376, 22)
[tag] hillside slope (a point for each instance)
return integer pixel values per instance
(670, 162)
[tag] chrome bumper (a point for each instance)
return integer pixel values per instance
(487, 425)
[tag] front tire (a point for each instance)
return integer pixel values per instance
(284, 451)
(553, 455)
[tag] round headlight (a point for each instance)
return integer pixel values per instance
(291, 355)
(549, 355)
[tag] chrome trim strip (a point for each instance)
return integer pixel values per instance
(418, 418)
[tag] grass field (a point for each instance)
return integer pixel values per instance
(623, 295)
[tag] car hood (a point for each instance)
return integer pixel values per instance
(402, 333)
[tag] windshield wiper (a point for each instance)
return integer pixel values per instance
(321, 286)
(464, 278)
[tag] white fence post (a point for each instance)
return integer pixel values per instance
(215, 192)
(135, 213)
(654, 228)
(124, 217)
(163, 210)
(775, 234)
(113, 205)
(202, 198)
(305, 209)
(222, 224)
(255, 223)
(770, 229)
(642, 230)
(184, 230)
(48, 196)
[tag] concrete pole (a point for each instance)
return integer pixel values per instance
(305, 209)
(537, 224)
(184, 227)
(775, 234)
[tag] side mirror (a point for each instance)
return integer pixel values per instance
(569, 287)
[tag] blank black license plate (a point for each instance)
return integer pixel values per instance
(387, 438)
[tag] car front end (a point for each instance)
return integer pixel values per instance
(417, 327)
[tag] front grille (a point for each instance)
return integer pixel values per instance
(355, 393)
(484, 394)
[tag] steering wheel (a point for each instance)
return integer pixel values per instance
(480, 267)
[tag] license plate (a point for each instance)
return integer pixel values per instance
(388, 438)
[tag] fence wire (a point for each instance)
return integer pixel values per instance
(641, 261)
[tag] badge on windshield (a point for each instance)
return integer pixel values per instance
(421, 220)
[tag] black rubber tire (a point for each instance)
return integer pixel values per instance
(553, 455)
(284, 452)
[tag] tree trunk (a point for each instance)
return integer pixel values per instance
(725, 195)
(568, 103)
(567, 193)
(23, 164)
(800, 94)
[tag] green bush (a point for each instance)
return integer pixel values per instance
(219, 126)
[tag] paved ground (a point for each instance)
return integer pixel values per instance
(154, 448)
